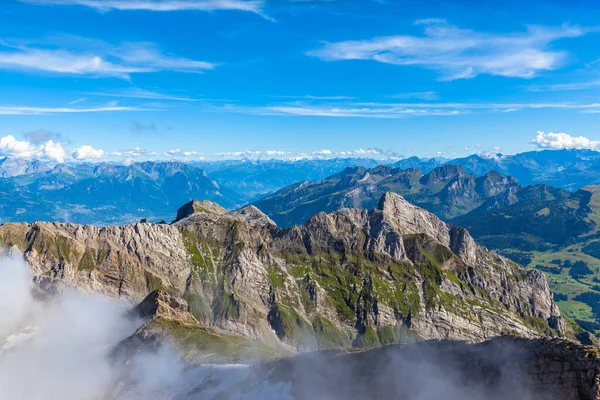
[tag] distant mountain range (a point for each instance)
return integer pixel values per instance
(255, 179)
(103, 193)
(90, 193)
(447, 191)
(566, 169)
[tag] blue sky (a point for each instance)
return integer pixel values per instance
(191, 79)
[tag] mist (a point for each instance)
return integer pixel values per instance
(60, 348)
(66, 347)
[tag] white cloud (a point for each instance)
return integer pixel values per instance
(11, 147)
(136, 93)
(359, 111)
(360, 152)
(457, 53)
(277, 153)
(94, 58)
(558, 141)
(180, 153)
(27, 110)
(254, 6)
(593, 84)
(77, 101)
(138, 152)
(234, 154)
(322, 152)
(311, 97)
(397, 109)
(53, 151)
(429, 95)
(87, 152)
(175, 152)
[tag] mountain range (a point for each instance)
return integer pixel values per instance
(551, 229)
(566, 169)
(392, 295)
(90, 193)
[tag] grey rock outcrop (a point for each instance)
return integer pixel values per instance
(353, 276)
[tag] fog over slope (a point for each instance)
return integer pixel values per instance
(60, 348)
(66, 347)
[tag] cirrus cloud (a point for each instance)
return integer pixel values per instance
(457, 53)
(79, 56)
(254, 6)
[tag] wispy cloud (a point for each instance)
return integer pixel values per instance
(429, 95)
(178, 153)
(566, 86)
(136, 93)
(311, 97)
(356, 111)
(457, 53)
(254, 6)
(397, 109)
(25, 110)
(93, 58)
(138, 152)
(559, 141)
(77, 101)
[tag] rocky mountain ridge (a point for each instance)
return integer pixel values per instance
(350, 278)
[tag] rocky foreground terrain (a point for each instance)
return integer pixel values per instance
(500, 369)
(352, 278)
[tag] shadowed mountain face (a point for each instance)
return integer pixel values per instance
(107, 193)
(566, 169)
(495, 208)
(447, 191)
(354, 277)
(255, 179)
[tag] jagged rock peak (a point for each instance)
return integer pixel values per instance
(410, 219)
(253, 215)
(195, 206)
(444, 173)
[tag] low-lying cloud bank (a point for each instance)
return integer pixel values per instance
(61, 348)
(66, 347)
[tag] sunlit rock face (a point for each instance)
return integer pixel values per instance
(352, 278)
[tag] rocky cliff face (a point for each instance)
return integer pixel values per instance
(352, 277)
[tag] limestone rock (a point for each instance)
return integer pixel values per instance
(195, 206)
(353, 276)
